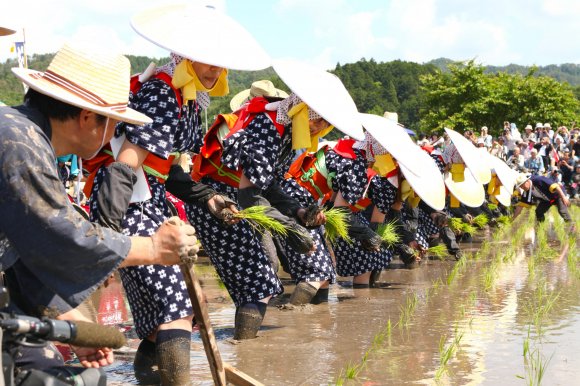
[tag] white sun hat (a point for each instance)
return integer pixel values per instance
(428, 184)
(395, 140)
(469, 192)
(201, 34)
(324, 93)
(478, 168)
(95, 82)
(259, 88)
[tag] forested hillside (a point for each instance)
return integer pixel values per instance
(376, 87)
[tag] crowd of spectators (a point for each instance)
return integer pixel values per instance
(539, 150)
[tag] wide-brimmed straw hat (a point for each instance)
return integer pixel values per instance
(95, 82)
(428, 184)
(506, 175)
(324, 93)
(478, 168)
(469, 191)
(201, 34)
(394, 139)
(521, 178)
(259, 88)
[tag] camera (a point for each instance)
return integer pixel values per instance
(30, 332)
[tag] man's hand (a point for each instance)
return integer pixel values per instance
(174, 241)
(94, 357)
(223, 207)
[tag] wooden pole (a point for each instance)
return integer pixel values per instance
(205, 329)
(220, 371)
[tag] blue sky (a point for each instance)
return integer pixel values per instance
(325, 32)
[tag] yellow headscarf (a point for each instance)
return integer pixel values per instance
(301, 137)
(185, 78)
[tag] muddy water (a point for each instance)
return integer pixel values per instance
(325, 344)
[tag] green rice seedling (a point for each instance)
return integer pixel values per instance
(468, 229)
(408, 310)
(256, 216)
(456, 224)
(336, 225)
(389, 234)
(439, 251)
(503, 220)
(491, 206)
(480, 221)
(446, 353)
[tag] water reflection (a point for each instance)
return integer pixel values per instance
(311, 345)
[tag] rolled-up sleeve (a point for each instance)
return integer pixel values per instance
(69, 255)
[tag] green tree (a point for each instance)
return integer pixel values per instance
(467, 98)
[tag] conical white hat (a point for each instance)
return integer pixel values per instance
(478, 167)
(469, 192)
(201, 34)
(395, 140)
(324, 93)
(428, 184)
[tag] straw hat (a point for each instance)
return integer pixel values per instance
(521, 178)
(225, 43)
(6, 31)
(324, 93)
(480, 170)
(98, 83)
(391, 116)
(506, 175)
(394, 139)
(258, 88)
(469, 192)
(428, 184)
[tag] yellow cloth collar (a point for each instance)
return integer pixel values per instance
(185, 79)
(384, 164)
(301, 138)
(458, 172)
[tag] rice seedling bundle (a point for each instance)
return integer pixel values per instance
(388, 233)
(257, 217)
(336, 224)
(480, 221)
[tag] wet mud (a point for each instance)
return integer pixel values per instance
(440, 323)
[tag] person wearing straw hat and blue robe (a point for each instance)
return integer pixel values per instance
(544, 193)
(52, 258)
(263, 152)
(174, 95)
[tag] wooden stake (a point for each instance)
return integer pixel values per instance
(205, 329)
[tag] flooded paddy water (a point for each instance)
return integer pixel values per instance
(506, 314)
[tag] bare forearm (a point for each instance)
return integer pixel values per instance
(141, 252)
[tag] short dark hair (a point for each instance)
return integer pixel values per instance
(53, 108)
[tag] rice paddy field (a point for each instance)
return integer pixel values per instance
(508, 313)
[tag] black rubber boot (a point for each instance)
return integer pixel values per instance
(249, 318)
(375, 275)
(173, 356)
(303, 293)
(320, 297)
(145, 364)
(359, 285)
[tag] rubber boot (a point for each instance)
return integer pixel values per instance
(249, 318)
(173, 356)
(303, 293)
(320, 297)
(145, 364)
(374, 279)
